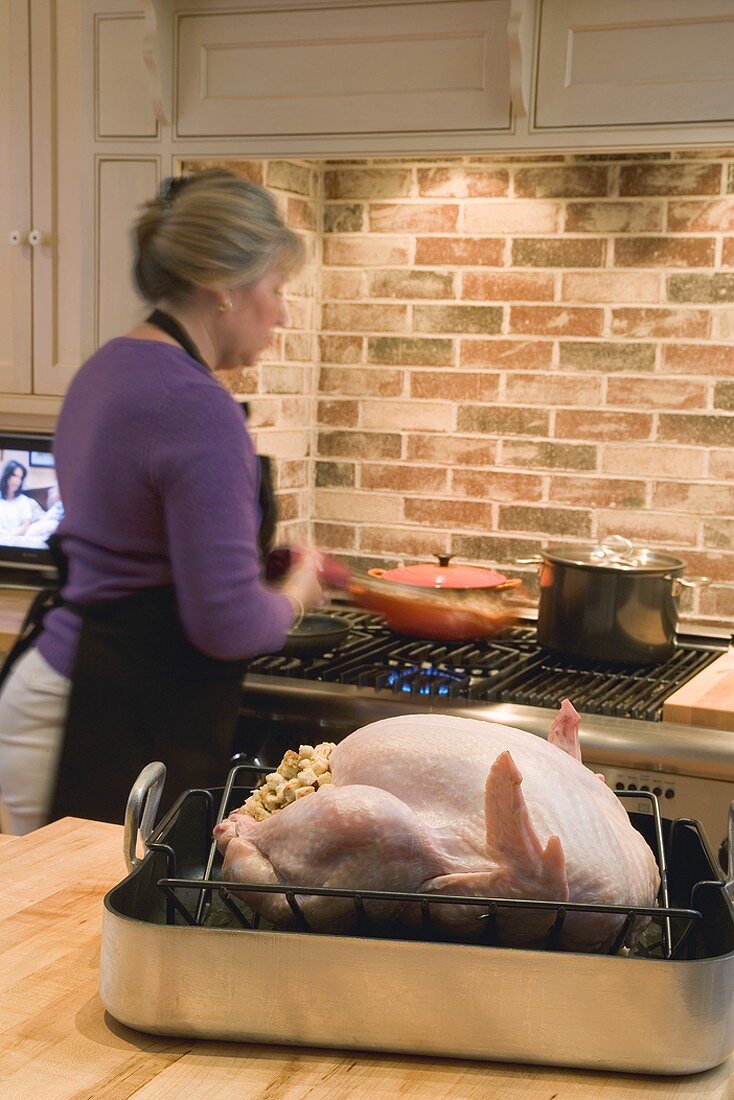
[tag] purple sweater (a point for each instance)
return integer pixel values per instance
(159, 481)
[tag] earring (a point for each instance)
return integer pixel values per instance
(225, 305)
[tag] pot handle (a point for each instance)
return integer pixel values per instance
(689, 582)
(375, 572)
(536, 559)
(142, 806)
(616, 546)
(511, 582)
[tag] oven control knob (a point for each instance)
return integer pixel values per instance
(644, 788)
(619, 786)
(632, 787)
(657, 791)
(670, 793)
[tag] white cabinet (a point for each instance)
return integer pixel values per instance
(41, 246)
(123, 154)
(362, 77)
(635, 63)
(343, 69)
(15, 204)
(76, 125)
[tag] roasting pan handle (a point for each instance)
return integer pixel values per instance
(142, 806)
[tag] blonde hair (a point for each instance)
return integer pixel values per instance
(209, 228)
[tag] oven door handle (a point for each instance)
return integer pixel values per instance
(141, 810)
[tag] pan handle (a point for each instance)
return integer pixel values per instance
(537, 559)
(142, 806)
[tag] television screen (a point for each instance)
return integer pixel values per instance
(30, 504)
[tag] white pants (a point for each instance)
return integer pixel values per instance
(33, 706)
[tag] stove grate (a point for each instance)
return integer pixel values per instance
(512, 668)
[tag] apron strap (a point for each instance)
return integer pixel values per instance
(177, 332)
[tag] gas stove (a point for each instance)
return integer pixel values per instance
(375, 673)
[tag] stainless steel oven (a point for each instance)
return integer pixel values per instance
(375, 673)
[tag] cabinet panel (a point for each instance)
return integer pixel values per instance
(62, 118)
(122, 87)
(420, 67)
(618, 62)
(15, 204)
(122, 186)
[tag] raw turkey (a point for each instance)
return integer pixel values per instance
(448, 805)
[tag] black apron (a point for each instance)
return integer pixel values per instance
(140, 690)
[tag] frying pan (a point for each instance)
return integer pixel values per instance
(441, 614)
(314, 635)
(446, 614)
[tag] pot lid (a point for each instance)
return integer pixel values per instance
(442, 575)
(615, 554)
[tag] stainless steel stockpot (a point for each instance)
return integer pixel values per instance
(611, 602)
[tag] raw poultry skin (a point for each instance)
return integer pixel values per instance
(442, 804)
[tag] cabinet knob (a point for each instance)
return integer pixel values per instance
(36, 237)
(15, 237)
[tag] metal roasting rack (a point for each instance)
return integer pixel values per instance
(188, 900)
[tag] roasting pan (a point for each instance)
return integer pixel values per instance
(178, 958)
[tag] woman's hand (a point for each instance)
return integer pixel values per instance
(302, 583)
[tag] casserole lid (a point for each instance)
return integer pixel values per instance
(442, 575)
(615, 554)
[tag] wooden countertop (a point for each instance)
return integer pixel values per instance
(57, 1042)
(14, 602)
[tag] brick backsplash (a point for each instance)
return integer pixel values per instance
(553, 362)
(495, 354)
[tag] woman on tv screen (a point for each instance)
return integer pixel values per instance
(23, 521)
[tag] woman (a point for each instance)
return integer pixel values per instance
(17, 511)
(164, 600)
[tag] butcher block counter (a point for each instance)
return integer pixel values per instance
(57, 1042)
(14, 602)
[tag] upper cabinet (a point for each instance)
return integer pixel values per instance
(78, 154)
(42, 247)
(355, 77)
(342, 69)
(635, 63)
(15, 207)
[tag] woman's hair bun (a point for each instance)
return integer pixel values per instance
(207, 228)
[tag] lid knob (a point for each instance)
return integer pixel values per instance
(443, 559)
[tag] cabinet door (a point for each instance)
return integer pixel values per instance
(15, 203)
(61, 197)
(387, 68)
(126, 157)
(627, 62)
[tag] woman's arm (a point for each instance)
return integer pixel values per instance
(203, 465)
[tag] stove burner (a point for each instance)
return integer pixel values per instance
(423, 680)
